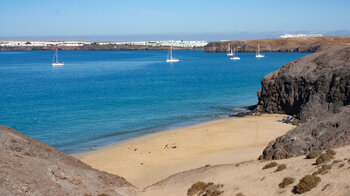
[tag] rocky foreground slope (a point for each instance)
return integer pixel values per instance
(30, 167)
(310, 44)
(254, 178)
(315, 90)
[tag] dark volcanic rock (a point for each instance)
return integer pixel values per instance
(330, 131)
(30, 167)
(316, 90)
(308, 87)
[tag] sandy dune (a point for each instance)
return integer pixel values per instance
(143, 161)
(249, 178)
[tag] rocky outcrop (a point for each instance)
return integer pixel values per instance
(30, 167)
(316, 90)
(310, 44)
(329, 131)
(308, 87)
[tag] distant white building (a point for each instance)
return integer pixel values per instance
(300, 35)
(13, 43)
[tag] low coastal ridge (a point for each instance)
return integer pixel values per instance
(299, 44)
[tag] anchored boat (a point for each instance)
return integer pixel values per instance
(55, 61)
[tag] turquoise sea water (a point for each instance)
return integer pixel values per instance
(102, 97)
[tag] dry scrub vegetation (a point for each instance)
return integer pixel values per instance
(205, 189)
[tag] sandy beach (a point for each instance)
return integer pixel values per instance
(143, 161)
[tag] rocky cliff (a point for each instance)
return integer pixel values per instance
(308, 87)
(30, 167)
(310, 44)
(316, 90)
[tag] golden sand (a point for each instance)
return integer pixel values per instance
(143, 161)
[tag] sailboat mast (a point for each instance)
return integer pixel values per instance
(56, 56)
(171, 52)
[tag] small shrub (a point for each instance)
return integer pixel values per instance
(270, 165)
(286, 181)
(203, 188)
(323, 158)
(103, 194)
(323, 170)
(281, 167)
(307, 183)
(330, 152)
(312, 155)
(240, 194)
(341, 165)
(196, 187)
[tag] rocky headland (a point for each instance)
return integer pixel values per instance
(307, 44)
(315, 90)
(30, 167)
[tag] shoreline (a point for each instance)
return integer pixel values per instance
(239, 112)
(158, 129)
(143, 160)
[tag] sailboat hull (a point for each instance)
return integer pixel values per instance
(57, 64)
(172, 60)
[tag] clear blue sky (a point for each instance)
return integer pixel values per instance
(77, 19)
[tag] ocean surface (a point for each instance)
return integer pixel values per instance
(102, 97)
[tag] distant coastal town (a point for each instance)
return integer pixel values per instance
(79, 43)
(36, 43)
(122, 45)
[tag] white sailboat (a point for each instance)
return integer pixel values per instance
(234, 56)
(258, 55)
(171, 59)
(231, 53)
(55, 61)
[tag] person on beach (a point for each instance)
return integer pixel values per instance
(166, 146)
(173, 146)
(287, 120)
